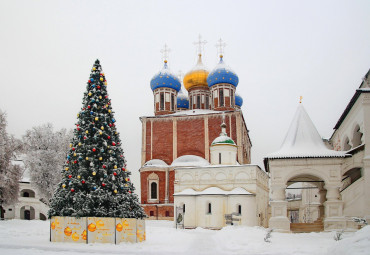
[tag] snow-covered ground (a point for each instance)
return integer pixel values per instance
(32, 237)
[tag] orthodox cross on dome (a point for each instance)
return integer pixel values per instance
(223, 125)
(165, 52)
(180, 74)
(200, 45)
(300, 99)
(220, 47)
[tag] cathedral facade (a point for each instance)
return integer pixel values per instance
(186, 125)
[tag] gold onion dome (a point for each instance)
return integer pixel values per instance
(196, 77)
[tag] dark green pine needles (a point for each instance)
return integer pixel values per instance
(95, 182)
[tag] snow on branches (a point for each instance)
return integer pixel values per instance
(45, 152)
(9, 173)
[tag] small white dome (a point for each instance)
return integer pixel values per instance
(155, 163)
(190, 160)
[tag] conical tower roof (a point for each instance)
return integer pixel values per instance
(303, 140)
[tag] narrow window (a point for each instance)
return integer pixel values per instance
(172, 102)
(209, 208)
(207, 102)
(151, 213)
(232, 98)
(198, 101)
(167, 214)
(183, 208)
(219, 158)
(221, 97)
(239, 209)
(191, 102)
(153, 190)
(162, 101)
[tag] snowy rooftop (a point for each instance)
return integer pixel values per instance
(223, 139)
(190, 160)
(213, 191)
(155, 163)
(303, 140)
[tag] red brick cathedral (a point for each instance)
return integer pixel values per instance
(186, 125)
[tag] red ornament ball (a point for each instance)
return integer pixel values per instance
(113, 143)
(98, 87)
(103, 184)
(129, 191)
(115, 174)
(123, 169)
(106, 96)
(89, 81)
(110, 124)
(88, 106)
(104, 166)
(70, 176)
(72, 190)
(85, 137)
(75, 161)
(83, 182)
(73, 148)
(93, 149)
(108, 136)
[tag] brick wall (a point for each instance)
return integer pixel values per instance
(190, 137)
(162, 140)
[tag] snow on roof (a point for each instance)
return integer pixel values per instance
(303, 140)
(190, 160)
(194, 112)
(213, 191)
(223, 139)
(155, 163)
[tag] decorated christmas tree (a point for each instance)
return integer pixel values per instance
(95, 182)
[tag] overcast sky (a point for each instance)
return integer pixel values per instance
(280, 50)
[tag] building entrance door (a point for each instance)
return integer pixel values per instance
(27, 215)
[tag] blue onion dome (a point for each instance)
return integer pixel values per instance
(182, 100)
(165, 79)
(238, 100)
(222, 74)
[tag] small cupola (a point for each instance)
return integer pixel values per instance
(223, 149)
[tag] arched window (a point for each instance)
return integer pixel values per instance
(161, 103)
(26, 194)
(209, 211)
(221, 97)
(239, 209)
(153, 190)
(346, 145)
(183, 208)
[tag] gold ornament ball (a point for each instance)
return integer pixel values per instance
(91, 227)
(94, 68)
(79, 144)
(109, 111)
(115, 191)
(87, 132)
(75, 236)
(74, 154)
(115, 167)
(90, 94)
(100, 97)
(79, 177)
(67, 231)
(96, 118)
(101, 79)
(70, 145)
(105, 83)
(67, 168)
(119, 227)
(100, 132)
(102, 128)
(78, 115)
(63, 186)
(87, 158)
(100, 158)
(94, 173)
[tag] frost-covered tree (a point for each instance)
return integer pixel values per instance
(95, 182)
(9, 173)
(45, 152)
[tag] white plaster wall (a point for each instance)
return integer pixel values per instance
(228, 154)
(354, 199)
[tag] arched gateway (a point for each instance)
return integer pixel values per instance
(303, 157)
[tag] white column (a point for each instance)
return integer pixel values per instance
(279, 220)
(334, 218)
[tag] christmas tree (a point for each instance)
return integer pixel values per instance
(95, 182)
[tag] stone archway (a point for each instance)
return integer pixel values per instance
(324, 172)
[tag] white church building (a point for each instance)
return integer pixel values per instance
(207, 191)
(339, 168)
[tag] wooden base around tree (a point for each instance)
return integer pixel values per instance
(96, 230)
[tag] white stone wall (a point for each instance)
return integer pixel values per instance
(228, 154)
